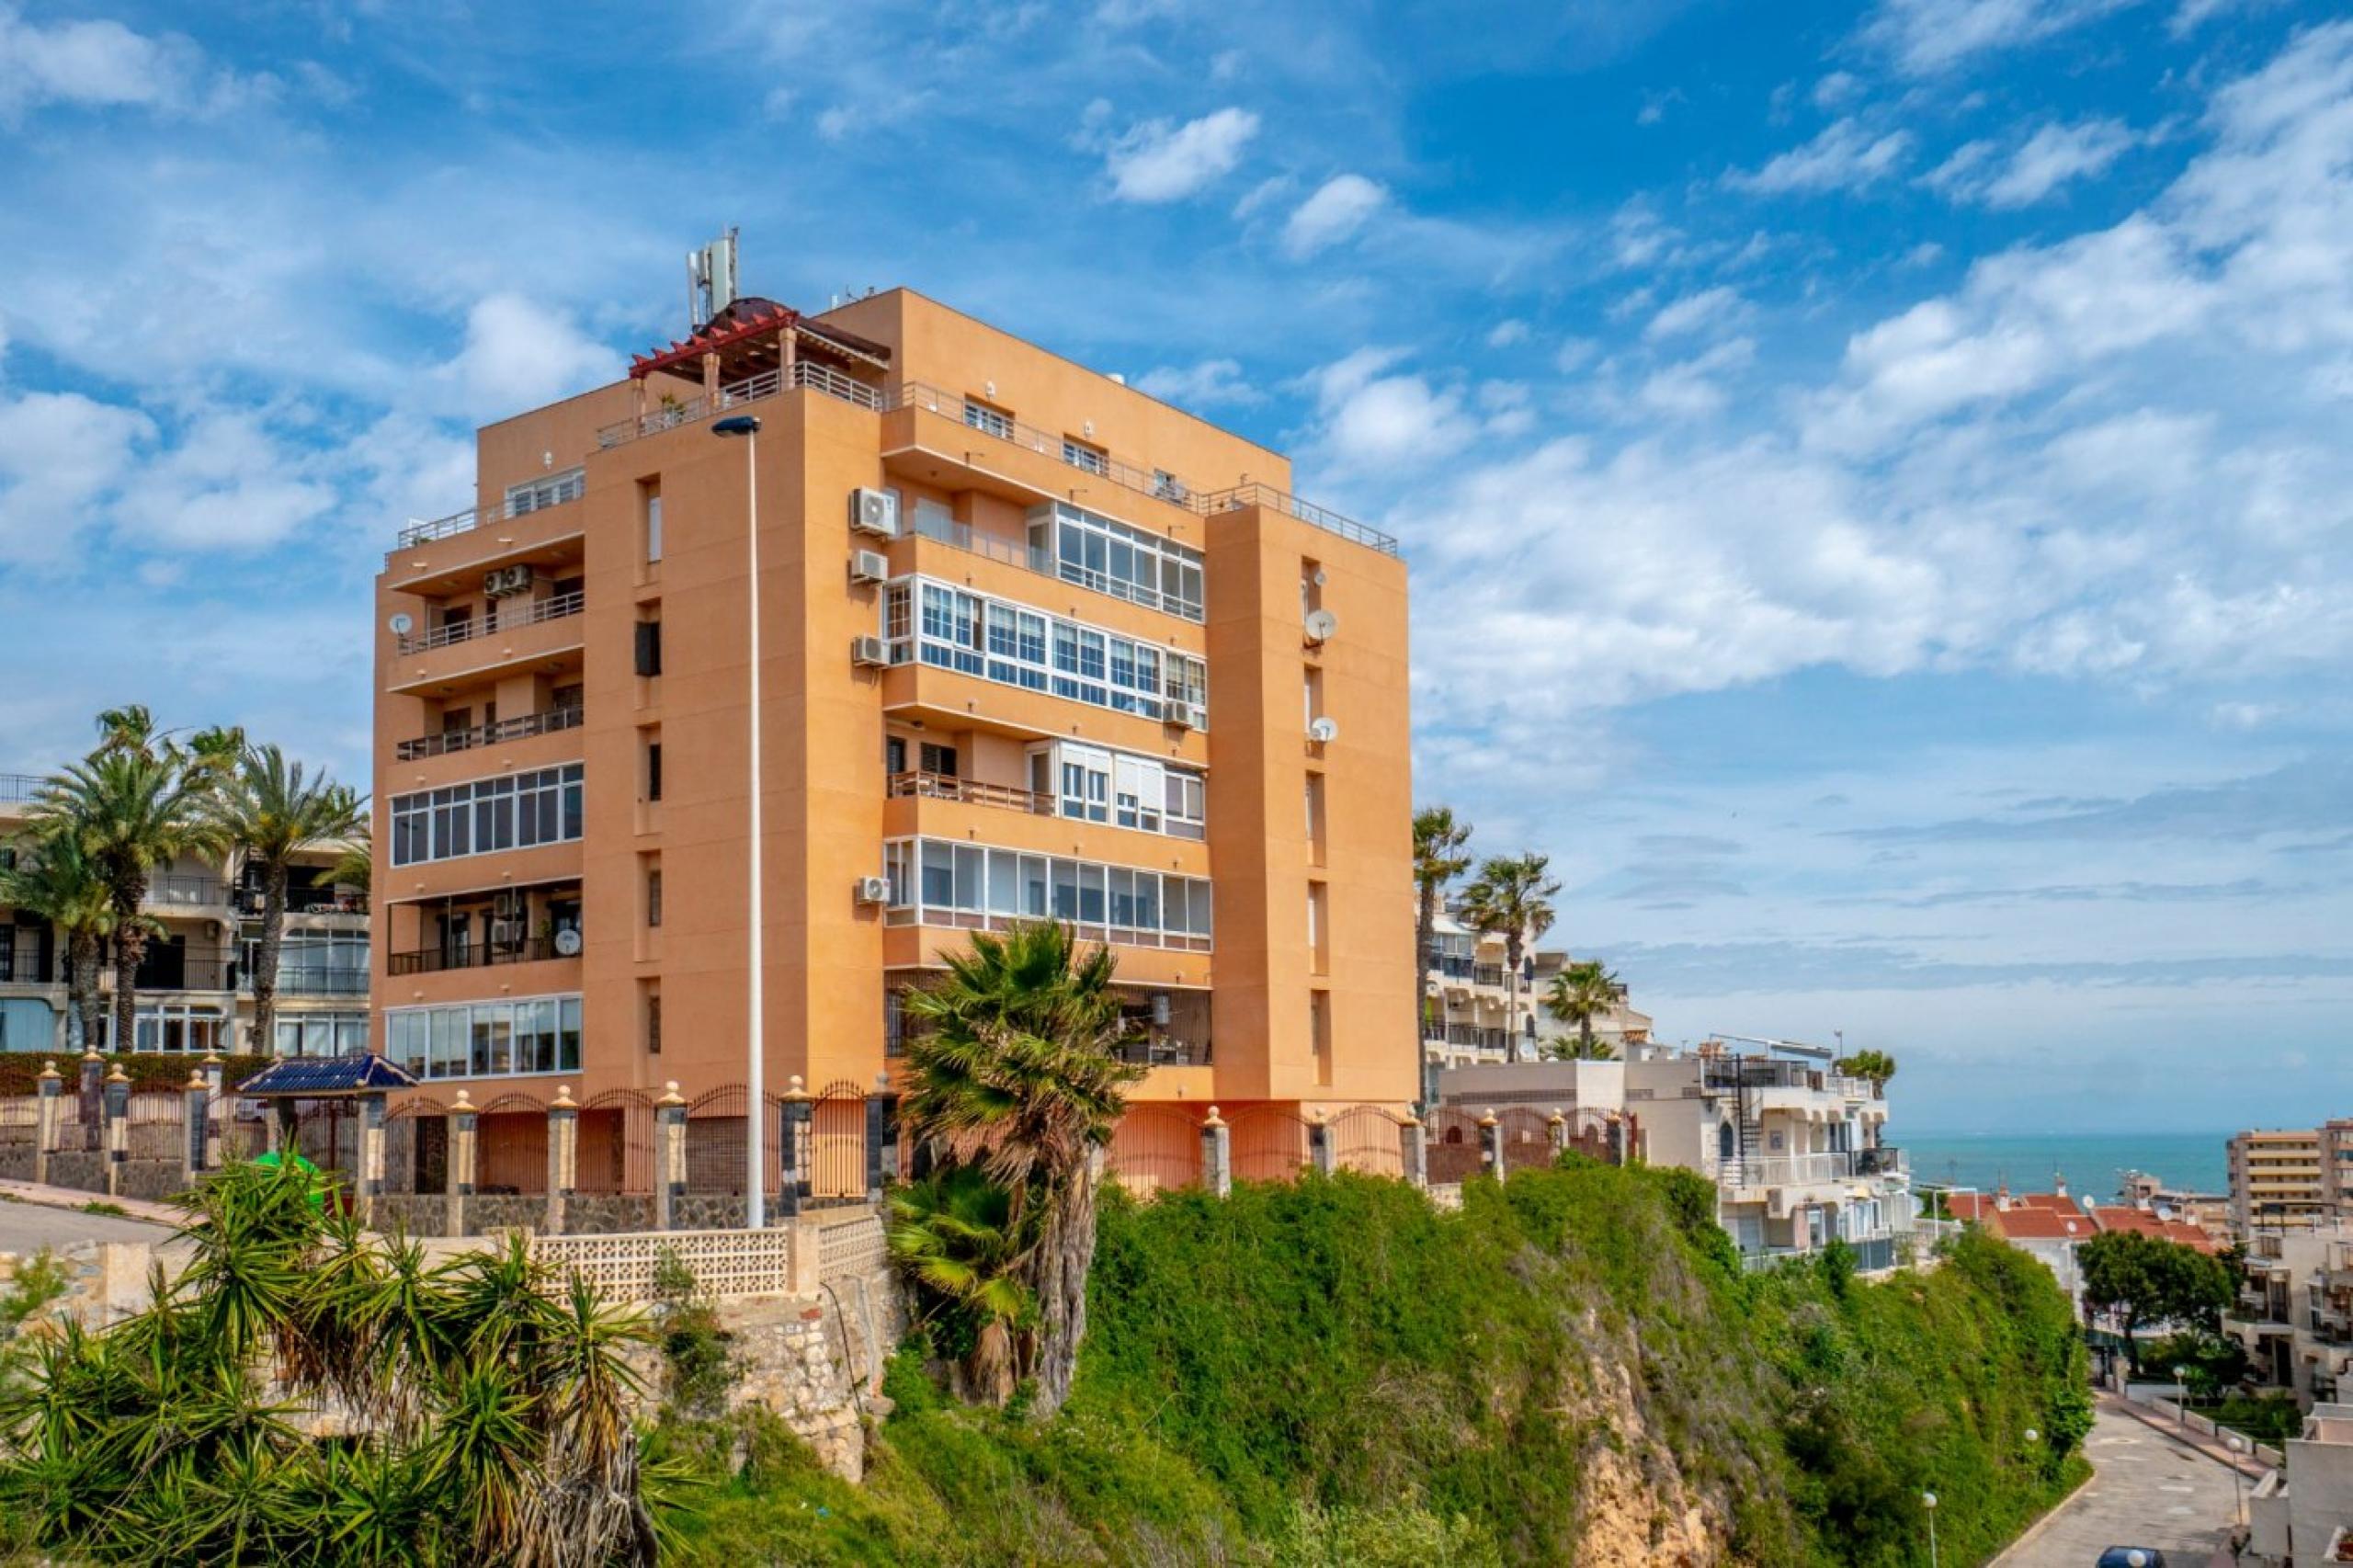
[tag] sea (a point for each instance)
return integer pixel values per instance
(2091, 1163)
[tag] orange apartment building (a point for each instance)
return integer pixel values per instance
(1033, 643)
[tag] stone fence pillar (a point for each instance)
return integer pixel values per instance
(1414, 1148)
(1491, 1146)
(1217, 1155)
(118, 1112)
(563, 1157)
(1319, 1141)
(194, 1129)
(669, 1156)
(52, 1101)
(794, 1152)
(94, 1100)
(465, 1122)
(372, 1154)
(1556, 1127)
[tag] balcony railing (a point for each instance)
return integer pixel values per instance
(496, 732)
(1763, 1075)
(1792, 1170)
(303, 899)
(1487, 974)
(23, 966)
(1886, 1160)
(21, 785)
(467, 521)
(509, 614)
(1158, 483)
(187, 892)
(433, 960)
(970, 791)
(305, 982)
(1165, 1053)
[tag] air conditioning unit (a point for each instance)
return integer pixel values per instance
(509, 905)
(505, 581)
(874, 512)
(870, 566)
(1187, 716)
(506, 933)
(873, 890)
(869, 652)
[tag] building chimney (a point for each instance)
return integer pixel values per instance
(2001, 1197)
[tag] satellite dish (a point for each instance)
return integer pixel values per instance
(567, 943)
(1320, 624)
(402, 624)
(1323, 731)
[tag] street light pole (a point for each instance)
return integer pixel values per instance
(1928, 1501)
(2237, 1444)
(755, 1090)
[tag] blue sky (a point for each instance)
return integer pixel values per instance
(1875, 476)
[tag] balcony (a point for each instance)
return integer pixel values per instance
(22, 965)
(1792, 1170)
(467, 521)
(1885, 1160)
(802, 373)
(496, 732)
(968, 791)
(20, 785)
(173, 891)
(306, 980)
(436, 961)
(505, 616)
(1164, 1052)
(302, 898)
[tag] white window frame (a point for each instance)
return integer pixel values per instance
(549, 489)
(947, 626)
(957, 884)
(426, 1040)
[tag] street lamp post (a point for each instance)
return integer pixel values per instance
(2237, 1444)
(1928, 1501)
(755, 1160)
(2182, 1396)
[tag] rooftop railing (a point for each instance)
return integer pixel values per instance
(981, 419)
(508, 614)
(20, 785)
(467, 521)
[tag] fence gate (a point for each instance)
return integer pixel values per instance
(511, 1147)
(1154, 1148)
(1364, 1138)
(616, 1147)
(1269, 1142)
(837, 1145)
(715, 1141)
(416, 1146)
(1453, 1145)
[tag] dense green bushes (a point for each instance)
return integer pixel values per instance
(1334, 1372)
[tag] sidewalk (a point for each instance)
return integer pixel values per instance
(2189, 1438)
(74, 1197)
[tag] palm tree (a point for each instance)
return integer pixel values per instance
(1512, 898)
(1580, 994)
(1438, 844)
(58, 882)
(1013, 1067)
(129, 811)
(1876, 1065)
(355, 867)
(269, 808)
(952, 1232)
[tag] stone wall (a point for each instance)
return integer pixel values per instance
(486, 1212)
(412, 1215)
(606, 1213)
(153, 1179)
(78, 1170)
(708, 1212)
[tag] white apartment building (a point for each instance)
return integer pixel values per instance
(1471, 1014)
(196, 986)
(2294, 1314)
(1796, 1150)
(2309, 1518)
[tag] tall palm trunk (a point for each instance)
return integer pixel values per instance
(129, 952)
(265, 975)
(1511, 984)
(81, 965)
(1057, 1270)
(1425, 954)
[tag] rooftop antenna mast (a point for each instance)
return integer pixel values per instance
(710, 280)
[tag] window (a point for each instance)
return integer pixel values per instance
(954, 629)
(940, 882)
(517, 811)
(895, 754)
(1166, 485)
(653, 1021)
(1083, 454)
(322, 1034)
(939, 759)
(538, 494)
(653, 896)
(1096, 784)
(1315, 817)
(989, 420)
(1110, 557)
(650, 493)
(537, 1034)
(653, 770)
(649, 647)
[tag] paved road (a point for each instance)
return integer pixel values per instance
(29, 1227)
(2150, 1491)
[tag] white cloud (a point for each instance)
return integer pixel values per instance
(1370, 418)
(103, 64)
(520, 353)
(1693, 312)
(1837, 90)
(2054, 156)
(1925, 37)
(1508, 333)
(1690, 390)
(1337, 209)
(1846, 155)
(226, 486)
(62, 455)
(1202, 385)
(1158, 160)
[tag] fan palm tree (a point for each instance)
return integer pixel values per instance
(1876, 1065)
(952, 1232)
(1439, 857)
(58, 882)
(1013, 1067)
(129, 811)
(1512, 898)
(268, 810)
(1580, 994)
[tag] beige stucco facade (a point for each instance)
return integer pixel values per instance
(936, 763)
